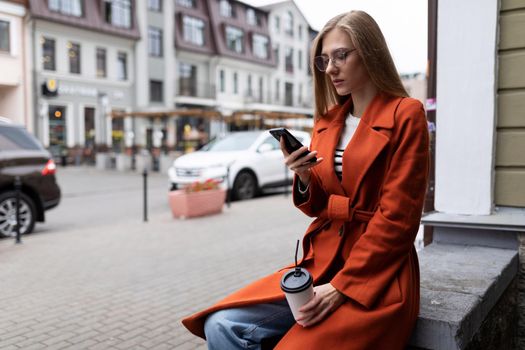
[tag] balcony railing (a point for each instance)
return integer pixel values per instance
(197, 90)
(270, 97)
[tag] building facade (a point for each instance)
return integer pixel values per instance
(155, 76)
(83, 55)
(291, 82)
(510, 123)
(132, 75)
(480, 167)
(14, 94)
(228, 59)
(224, 60)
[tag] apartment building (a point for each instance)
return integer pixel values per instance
(114, 75)
(83, 55)
(230, 57)
(224, 59)
(291, 82)
(13, 92)
(155, 76)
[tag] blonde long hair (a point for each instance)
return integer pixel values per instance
(371, 47)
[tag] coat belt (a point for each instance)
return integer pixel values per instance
(360, 215)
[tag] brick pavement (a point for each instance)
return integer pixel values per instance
(127, 284)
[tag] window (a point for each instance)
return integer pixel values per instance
(277, 24)
(89, 128)
(249, 83)
(289, 60)
(250, 17)
(101, 63)
(222, 82)
(288, 23)
(117, 133)
(276, 53)
(300, 32)
(277, 90)
(74, 57)
(5, 42)
(272, 142)
(155, 91)
(226, 9)
(235, 83)
(155, 5)
(193, 30)
(16, 139)
(260, 46)
(261, 84)
(155, 42)
(288, 94)
(187, 3)
(234, 39)
(300, 59)
(66, 7)
(187, 79)
(48, 53)
(253, 18)
(122, 66)
(118, 12)
(300, 94)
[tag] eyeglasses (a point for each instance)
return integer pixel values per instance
(338, 58)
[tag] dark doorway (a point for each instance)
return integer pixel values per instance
(57, 131)
(89, 135)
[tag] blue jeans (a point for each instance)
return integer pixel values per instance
(245, 328)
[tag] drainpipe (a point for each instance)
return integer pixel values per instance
(36, 110)
(25, 88)
(431, 110)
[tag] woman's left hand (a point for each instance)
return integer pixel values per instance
(325, 301)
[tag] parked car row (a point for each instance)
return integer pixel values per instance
(244, 162)
(22, 155)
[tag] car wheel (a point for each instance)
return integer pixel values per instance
(8, 214)
(244, 186)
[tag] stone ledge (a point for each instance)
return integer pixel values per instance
(503, 219)
(460, 284)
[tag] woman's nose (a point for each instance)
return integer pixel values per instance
(331, 68)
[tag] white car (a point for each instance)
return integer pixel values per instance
(253, 160)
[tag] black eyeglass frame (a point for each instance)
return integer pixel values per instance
(322, 62)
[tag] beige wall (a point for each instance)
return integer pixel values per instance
(12, 99)
(510, 146)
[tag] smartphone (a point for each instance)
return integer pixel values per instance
(291, 143)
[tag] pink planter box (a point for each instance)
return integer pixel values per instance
(187, 205)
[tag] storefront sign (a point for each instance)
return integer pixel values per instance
(75, 90)
(49, 88)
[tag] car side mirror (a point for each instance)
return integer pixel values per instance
(265, 147)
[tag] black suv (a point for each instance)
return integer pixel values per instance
(22, 155)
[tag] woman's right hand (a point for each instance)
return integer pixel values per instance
(300, 165)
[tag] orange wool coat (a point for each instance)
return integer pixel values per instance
(362, 240)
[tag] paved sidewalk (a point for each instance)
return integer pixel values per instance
(124, 284)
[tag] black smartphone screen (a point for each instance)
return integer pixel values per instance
(291, 143)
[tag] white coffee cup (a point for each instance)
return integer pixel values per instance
(297, 285)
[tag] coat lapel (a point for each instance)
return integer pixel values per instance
(368, 141)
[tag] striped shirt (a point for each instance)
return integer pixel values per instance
(348, 131)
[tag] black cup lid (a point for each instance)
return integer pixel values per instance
(296, 280)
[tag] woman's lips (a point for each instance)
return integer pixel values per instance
(337, 82)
